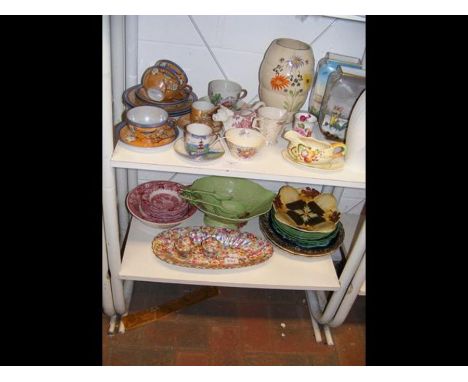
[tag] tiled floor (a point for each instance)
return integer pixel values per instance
(237, 327)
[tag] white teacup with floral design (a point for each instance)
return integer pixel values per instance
(225, 92)
(244, 143)
(304, 123)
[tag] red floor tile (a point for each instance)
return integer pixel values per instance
(187, 358)
(274, 359)
(224, 339)
(237, 327)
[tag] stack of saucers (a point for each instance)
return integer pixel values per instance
(158, 204)
(304, 222)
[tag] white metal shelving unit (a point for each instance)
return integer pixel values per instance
(282, 271)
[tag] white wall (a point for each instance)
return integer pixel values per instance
(239, 43)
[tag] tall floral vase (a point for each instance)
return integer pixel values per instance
(286, 75)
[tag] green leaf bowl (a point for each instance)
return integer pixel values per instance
(228, 202)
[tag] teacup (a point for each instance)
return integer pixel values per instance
(146, 119)
(225, 92)
(202, 111)
(310, 151)
(162, 84)
(304, 123)
(244, 143)
(198, 138)
(270, 122)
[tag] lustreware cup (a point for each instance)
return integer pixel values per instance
(146, 119)
(202, 111)
(163, 84)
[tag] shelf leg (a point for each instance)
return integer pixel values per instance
(351, 295)
(324, 316)
(316, 327)
(107, 301)
(328, 336)
(122, 190)
(113, 320)
(327, 189)
(109, 198)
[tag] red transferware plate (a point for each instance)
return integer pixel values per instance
(159, 202)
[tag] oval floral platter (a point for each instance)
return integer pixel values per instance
(210, 248)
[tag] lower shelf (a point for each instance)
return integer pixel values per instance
(281, 271)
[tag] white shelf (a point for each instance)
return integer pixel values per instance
(281, 271)
(267, 165)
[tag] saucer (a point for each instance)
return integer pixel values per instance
(174, 109)
(181, 97)
(185, 120)
(217, 151)
(335, 165)
(162, 136)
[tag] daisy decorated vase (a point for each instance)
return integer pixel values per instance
(286, 74)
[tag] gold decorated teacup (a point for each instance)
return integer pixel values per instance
(161, 84)
(202, 112)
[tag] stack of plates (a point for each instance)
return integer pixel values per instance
(158, 204)
(136, 96)
(304, 239)
(303, 222)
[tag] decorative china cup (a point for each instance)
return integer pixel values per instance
(202, 111)
(304, 123)
(199, 138)
(163, 84)
(244, 143)
(225, 92)
(270, 122)
(308, 150)
(146, 119)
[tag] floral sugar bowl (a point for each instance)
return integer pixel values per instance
(304, 124)
(343, 89)
(286, 74)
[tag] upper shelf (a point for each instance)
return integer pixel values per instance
(267, 165)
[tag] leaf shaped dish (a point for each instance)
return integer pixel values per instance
(306, 209)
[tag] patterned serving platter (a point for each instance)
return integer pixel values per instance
(211, 248)
(271, 235)
(163, 136)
